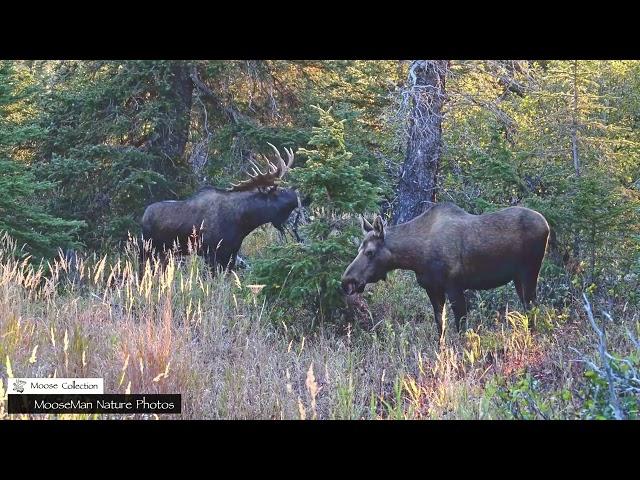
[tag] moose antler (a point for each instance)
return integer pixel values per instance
(270, 178)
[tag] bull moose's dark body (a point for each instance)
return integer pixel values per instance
(451, 251)
(220, 218)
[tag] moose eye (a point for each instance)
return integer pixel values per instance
(369, 253)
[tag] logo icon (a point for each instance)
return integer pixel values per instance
(18, 385)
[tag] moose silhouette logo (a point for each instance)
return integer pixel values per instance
(18, 385)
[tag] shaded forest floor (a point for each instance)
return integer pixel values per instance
(215, 341)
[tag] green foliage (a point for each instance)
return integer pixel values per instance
(330, 175)
(309, 273)
(108, 143)
(106, 187)
(624, 371)
(504, 149)
(526, 398)
(101, 131)
(519, 400)
(22, 213)
(27, 221)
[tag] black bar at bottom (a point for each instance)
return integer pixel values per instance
(86, 403)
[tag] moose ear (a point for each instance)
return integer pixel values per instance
(366, 226)
(378, 227)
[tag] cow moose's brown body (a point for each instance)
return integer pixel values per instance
(221, 219)
(451, 251)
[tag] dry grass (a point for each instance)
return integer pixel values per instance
(211, 339)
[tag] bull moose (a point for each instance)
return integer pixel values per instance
(451, 251)
(221, 219)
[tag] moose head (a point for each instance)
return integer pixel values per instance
(266, 189)
(373, 259)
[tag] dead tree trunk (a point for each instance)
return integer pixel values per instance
(418, 178)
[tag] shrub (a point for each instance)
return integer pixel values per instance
(308, 273)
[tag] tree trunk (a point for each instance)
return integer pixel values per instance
(171, 136)
(418, 179)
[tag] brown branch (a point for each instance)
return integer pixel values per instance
(231, 113)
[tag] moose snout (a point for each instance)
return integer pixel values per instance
(351, 286)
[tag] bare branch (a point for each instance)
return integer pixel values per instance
(229, 111)
(613, 398)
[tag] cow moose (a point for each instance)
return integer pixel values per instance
(221, 219)
(451, 251)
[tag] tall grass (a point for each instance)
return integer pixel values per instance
(181, 330)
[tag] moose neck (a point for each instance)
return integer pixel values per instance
(405, 245)
(257, 210)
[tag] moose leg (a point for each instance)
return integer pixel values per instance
(529, 274)
(231, 264)
(437, 301)
(220, 258)
(164, 260)
(142, 260)
(526, 284)
(226, 260)
(470, 299)
(458, 305)
(529, 285)
(211, 261)
(520, 291)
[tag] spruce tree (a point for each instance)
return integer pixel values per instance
(308, 273)
(22, 213)
(116, 136)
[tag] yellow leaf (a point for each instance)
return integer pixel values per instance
(237, 279)
(126, 363)
(99, 269)
(124, 370)
(303, 413)
(9, 371)
(256, 289)
(164, 374)
(32, 359)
